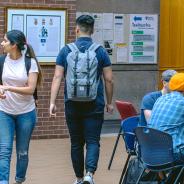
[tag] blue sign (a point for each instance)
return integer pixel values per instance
(137, 18)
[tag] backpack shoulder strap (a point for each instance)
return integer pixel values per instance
(73, 47)
(94, 47)
(28, 66)
(2, 60)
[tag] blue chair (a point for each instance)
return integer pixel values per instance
(128, 127)
(126, 110)
(156, 151)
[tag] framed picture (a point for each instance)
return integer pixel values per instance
(45, 30)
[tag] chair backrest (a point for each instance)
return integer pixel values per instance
(126, 109)
(156, 147)
(128, 126)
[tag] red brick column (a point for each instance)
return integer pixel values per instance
(46, 127)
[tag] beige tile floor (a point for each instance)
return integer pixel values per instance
(50, 162)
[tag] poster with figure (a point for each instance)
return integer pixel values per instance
(45, 30)
(143, 38)
(40, 34)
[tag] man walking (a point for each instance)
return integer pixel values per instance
(82, 64)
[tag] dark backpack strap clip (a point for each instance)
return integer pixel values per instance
(2, 60)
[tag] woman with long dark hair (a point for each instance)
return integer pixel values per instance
(17, 105)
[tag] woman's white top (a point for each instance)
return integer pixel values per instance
(15, 74)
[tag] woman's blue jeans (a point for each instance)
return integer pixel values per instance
(23, 126)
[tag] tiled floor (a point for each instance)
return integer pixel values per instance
(50, 162)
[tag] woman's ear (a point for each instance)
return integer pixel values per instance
(14, 46)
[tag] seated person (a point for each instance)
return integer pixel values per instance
(168, 115)
(149, 99)
(146, 107)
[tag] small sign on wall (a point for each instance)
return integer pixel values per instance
(143, 38)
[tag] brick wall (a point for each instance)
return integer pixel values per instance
(46, 127)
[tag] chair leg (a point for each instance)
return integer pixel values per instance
(124, 169)
(140, 177)
(179, 175)
(114, 149)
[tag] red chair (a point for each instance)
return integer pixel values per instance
(126, 109)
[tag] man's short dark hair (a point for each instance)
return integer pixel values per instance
(86, 23)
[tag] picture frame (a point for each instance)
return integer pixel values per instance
(45, 29)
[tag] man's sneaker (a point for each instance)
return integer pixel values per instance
(78, 182)
(88, 179)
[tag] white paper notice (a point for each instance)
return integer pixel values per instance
(118, 28)
(98, 20)
(18, 22)
(122, 53)
(97, 36)
(107, 20)
(108, 34)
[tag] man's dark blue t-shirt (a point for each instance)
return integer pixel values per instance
(97, 106)
(147, 103)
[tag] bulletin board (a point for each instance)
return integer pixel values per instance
(128, 38)
(45, 29)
